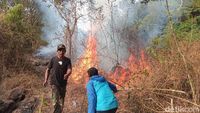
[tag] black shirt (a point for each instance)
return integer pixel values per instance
(58, 68)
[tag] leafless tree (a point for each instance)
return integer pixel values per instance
(69, 10)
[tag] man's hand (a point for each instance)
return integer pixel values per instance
(66, 76)
(45, 83)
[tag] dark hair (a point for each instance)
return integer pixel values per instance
(61, 47)
(92, 71)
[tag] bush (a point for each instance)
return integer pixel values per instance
(198, 21)
(15, 14)
(20, 32)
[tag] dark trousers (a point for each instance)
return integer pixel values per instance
(58, 97)
(108, 111)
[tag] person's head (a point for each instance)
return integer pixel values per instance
(61, 50)
(92, 71)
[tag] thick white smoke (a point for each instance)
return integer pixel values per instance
(53, 27)
(116, 16)
(149, 19)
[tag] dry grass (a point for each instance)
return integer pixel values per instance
(168, 85)
(31, 82)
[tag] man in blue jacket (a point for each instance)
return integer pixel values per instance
(100, 92)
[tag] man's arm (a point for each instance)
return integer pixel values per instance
(69, 71)
(46, 76)
(47, 72)
(113, 87)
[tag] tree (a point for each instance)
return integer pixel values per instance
(69, 11)
(20, 31)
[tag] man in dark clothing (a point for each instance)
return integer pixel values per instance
(61, 68)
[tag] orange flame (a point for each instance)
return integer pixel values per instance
(120, 74)
(87, 60)
(134, 68)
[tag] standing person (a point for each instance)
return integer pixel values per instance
(61, 69)
(100, 92)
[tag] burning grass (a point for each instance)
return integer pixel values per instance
(119, 74)
(127, 78)
(147, 84)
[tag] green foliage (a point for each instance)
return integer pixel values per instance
(15, 14)
(20, 32)
(3, 4)
(188, 30)
(17, 1)
(196, 3)
(198, 20)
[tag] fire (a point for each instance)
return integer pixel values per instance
(87, 60)
(119, 75)
(134, 69)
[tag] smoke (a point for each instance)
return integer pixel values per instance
(118, 25)
(53, 27)
(130, 26)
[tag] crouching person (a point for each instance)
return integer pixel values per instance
(100, 92)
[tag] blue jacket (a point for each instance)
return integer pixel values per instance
(100, 94)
